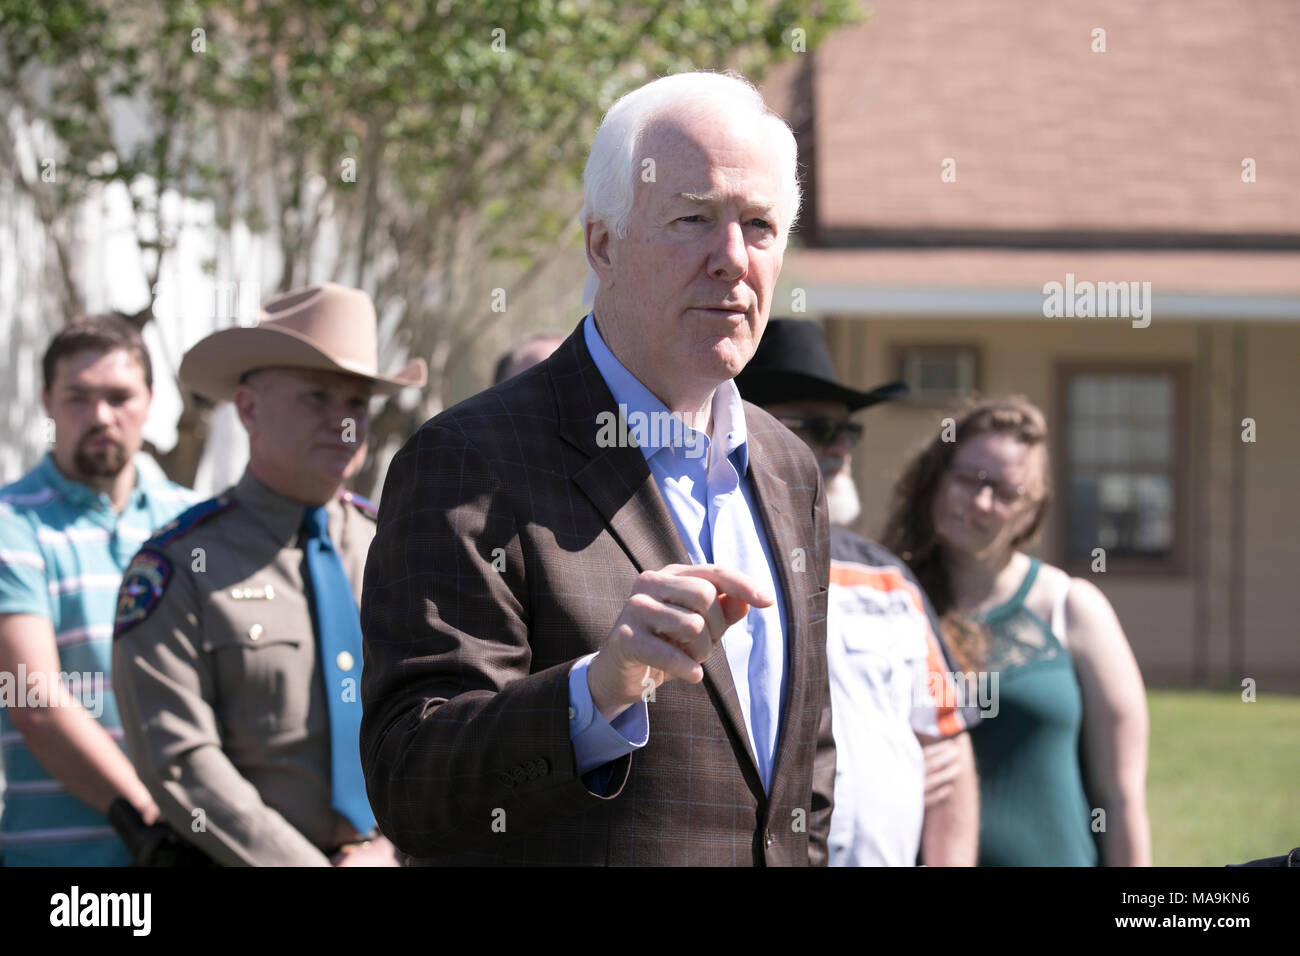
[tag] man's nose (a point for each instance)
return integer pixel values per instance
(843, 445)
(730, 259)
(346, 419)
(833, 458)
(103, 412)
(984, 498)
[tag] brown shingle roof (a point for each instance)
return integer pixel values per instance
(1048, 135)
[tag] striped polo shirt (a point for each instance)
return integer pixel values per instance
(63, 551)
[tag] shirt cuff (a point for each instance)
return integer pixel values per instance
(596, 741)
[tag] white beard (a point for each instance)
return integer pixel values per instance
(842, 503)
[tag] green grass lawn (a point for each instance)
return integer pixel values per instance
(1224, 778)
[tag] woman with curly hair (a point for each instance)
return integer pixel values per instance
(1069, 737)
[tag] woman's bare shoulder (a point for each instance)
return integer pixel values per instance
(1042, 597)
(1093, 625)
(1053, 577)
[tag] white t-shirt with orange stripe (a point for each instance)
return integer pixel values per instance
(890, 680)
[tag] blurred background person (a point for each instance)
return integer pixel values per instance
(1062, 765)
(68, 530)
(526, 354)
(905, 778)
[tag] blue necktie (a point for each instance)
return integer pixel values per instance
(338, 637)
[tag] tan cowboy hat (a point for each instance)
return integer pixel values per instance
(327, 327)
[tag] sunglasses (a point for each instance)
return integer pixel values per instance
(825, 431)
(973, 481)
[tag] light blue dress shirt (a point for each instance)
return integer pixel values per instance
(709, 494)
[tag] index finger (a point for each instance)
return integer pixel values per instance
(733, 583)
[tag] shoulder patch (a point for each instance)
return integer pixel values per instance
(364, 504)
(191, 518)
(142, 588)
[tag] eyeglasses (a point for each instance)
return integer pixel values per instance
(973, 481)
(825, 431)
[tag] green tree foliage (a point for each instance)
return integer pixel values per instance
(429, 152)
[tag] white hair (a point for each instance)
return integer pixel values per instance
(611, 171)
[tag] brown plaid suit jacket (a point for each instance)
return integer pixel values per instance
(508, 542)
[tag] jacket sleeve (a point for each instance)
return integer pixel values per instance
(164, 685)
(461, 743)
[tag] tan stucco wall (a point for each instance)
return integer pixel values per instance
(1159, 613)
(1272, 505)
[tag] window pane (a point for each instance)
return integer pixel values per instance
(1117, 396)
(1083, 396)
(1121, 444)
(1115, 444)
(966, 370)
(1154, 532)
(938, 372)
(1083, 515)
(938, 375)
(1153, 445)
(1128, 515)
(1083, 444)
(1115, 493)
(1123, 400)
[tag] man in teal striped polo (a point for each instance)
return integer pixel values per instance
(68, 530)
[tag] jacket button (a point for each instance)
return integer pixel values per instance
(767, 838)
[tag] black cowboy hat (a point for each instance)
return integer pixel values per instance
(792, 363)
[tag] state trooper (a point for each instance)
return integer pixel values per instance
(237, 645)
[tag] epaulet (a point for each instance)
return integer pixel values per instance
(189, 519)
(352, 498)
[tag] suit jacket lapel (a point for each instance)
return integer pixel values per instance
(618, 483)
(616, 479)
(788, 553)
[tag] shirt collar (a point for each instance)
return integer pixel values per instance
(632, 395)
(280, 515)
(729, 423)
(147, 476)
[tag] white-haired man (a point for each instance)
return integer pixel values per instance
(591, 639)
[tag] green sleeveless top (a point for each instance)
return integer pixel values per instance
(1033, 808)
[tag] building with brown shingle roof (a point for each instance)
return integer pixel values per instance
(959, 160)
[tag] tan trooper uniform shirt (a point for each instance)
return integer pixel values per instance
(215, 669)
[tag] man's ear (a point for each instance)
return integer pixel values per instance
(597, 238)
(245, 399)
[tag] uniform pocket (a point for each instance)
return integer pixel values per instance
(264, 674)
(880, 642)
